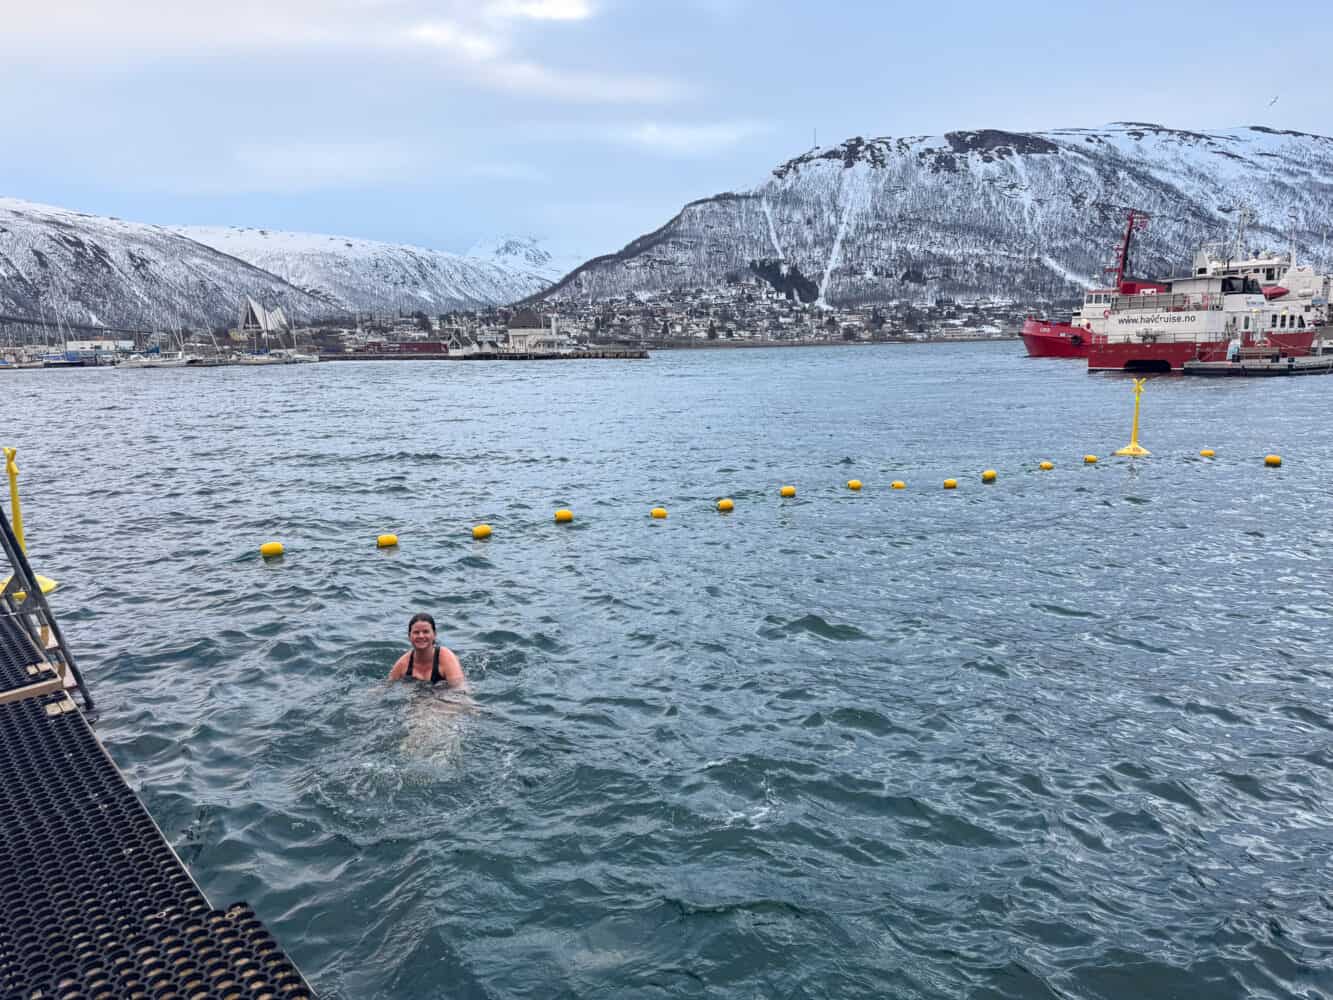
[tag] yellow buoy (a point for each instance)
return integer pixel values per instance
(481, 531)
(788, 491)
(45, 582)
(1134, 449)
(1089, 459)
(725, 505)
(386, 541)
(1046, 466)
(659, 513)
(1272, 461)
(271, 550)
(898, 484)
(951, 484)
(989, 476)
(1207, 453)
(853, 484)
(563, 516)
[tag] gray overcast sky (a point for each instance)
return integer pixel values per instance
(584, 122)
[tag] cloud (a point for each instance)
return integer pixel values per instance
(280, 167)
(690, 140)
(487, 59)
(276, 168)
(481, 41)
(320, 166)
(542, 10)
(503, 172)
(576, 86)
(443, 35)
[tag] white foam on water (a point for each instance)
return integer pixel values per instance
(437, 722)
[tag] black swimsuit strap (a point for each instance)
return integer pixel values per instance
(435, 670)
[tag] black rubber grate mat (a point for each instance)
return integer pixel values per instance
(94, 904)
(16, 653)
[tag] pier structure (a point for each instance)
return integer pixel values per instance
(1261, 367)
(617, 354)
(94, 902)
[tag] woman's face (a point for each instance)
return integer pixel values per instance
(422, 635)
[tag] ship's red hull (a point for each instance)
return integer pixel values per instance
(1171, 356)
(1054, 340)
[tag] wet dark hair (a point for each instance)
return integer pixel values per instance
(421, 617)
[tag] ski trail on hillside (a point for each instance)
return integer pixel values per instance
(1065, 273)
(835, 254)
(772, 228)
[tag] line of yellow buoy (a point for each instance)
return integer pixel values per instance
(271, 550)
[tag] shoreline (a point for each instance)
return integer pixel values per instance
(714, 345)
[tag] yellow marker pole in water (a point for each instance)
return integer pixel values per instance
(16, 518)
(1134, 449)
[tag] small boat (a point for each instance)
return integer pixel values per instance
(66, 360)
(293, 357)
(170, 360)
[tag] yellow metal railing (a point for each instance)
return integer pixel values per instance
(16, 513)
(16, 516)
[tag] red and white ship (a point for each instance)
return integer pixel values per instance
(1231, 304)
(1054, 339)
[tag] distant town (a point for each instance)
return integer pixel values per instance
(746, 312)
(743, 313)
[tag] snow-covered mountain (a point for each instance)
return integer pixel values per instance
(528, 253)
(70, 268)
(369, 275)
(1014, 216)
(65, 267)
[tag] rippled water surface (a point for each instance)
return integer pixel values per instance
(1069, 735)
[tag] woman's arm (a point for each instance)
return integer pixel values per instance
(400, 668)
(451, 669)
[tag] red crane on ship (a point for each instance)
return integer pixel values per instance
(1137, 222)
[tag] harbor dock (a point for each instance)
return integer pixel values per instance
(601, 354)
(1265, 367)
(94, 902)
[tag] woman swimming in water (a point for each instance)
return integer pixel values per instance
(426, 661)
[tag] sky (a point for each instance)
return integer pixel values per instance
(584, 123)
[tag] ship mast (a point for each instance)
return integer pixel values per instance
(1243, 219)
(1137, 221)
(1292, 214)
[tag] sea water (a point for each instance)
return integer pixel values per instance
(1067, 735)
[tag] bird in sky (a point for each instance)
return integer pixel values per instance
(1273, 101)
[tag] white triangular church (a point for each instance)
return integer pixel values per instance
(256, 319)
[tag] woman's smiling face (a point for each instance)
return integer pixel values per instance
(422, 635)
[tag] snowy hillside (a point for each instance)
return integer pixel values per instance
(528, 253)
(1016, 216)
(369, 275)
(66, 267)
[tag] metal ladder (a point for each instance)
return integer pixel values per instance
(24, 613)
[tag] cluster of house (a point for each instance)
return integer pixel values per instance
(494, 332)
(733, 313)
(741, 312)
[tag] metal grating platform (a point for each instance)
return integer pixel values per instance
(18, 655)
(94, 903)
